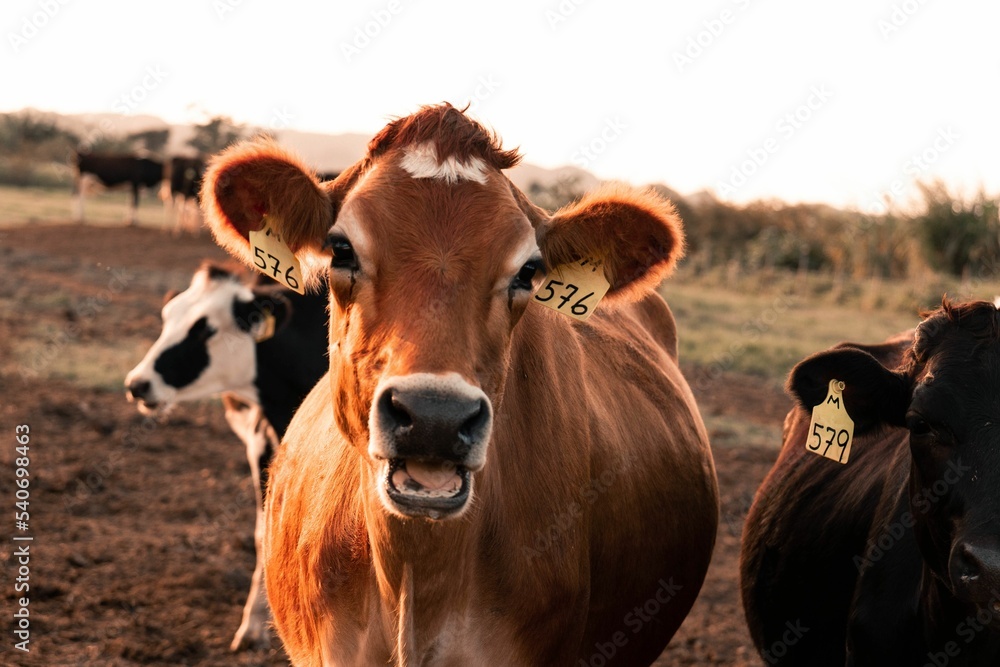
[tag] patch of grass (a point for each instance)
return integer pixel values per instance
(732, 431)
(21, 205)
(765, 333)
(93, 363)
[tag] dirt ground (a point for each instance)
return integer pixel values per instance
(143, 530)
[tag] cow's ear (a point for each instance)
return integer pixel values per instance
(256, 178)
(873, 394)
(265, 314)
(636, 233)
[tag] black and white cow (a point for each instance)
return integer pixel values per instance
(262, 348)
(114, 169)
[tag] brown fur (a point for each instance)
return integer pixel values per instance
(452, 132)
(257, 178)
(635, 232)
(350, 582)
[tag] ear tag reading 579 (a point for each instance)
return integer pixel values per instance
(831, 431)
(574, 289)
(274, 259)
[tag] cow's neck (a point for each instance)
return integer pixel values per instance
(420, 567)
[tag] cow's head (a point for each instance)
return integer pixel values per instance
(431, 256)
(208, 342)
(947, 394)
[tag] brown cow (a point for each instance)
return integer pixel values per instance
(477, 481)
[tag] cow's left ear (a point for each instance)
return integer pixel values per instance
(264, 315)
(256, 178)
(873, 394)
(636, 233)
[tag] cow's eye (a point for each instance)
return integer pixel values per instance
(201, 331)
(918, 426)
(343, 253)
(527, 273)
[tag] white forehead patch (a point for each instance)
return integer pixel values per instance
(421, 161)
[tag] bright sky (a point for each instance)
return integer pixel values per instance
(837, 102)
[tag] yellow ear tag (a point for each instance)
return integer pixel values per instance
(274, 259)
(831, 431)
(267, 327)
(574, 289)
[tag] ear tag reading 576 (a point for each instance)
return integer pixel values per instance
(831, 431)
(274, 259)
(574, 289)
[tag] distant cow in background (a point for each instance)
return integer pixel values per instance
(261, 347)
(114, 169)
(181, 185)
(324, 176)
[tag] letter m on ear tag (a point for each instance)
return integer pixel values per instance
(831, 430)
(273, 258)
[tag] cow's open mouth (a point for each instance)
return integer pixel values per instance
(435, 489)
(147, 407)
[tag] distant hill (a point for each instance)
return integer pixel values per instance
(325, 152)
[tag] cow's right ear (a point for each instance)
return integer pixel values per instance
(873, 394)
(256, 178)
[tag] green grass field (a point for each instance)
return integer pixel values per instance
(30, 205)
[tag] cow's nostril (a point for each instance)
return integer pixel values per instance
(473, 426)
(396, 410)
(139, 388)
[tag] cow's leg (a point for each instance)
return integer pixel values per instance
(130, 218)
(260, 438)
(78, 198)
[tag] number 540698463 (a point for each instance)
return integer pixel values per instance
(819, 432)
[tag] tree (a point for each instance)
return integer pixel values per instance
(214, 135)
(957, 235)
(153, 141)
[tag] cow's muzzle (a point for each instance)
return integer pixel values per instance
(141, 391)
(974, 570)
(430, 433)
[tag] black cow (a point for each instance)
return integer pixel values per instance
(893, 558)
(181, 189)
(262, 348)
(114, 169)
